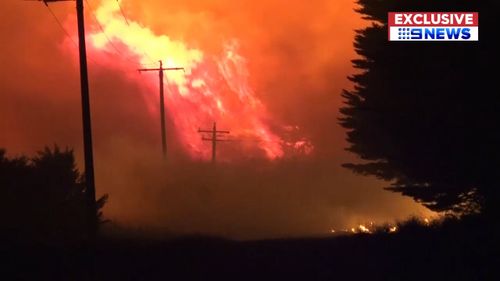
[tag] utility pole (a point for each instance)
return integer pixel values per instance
(162, 103)
(86, 118)
(214, 134)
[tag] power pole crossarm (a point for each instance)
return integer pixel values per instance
(160, 69)
(210, 139)
(206, 131)
(214, 139)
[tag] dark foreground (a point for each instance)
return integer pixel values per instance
(453, 251)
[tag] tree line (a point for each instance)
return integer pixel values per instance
(43, 198)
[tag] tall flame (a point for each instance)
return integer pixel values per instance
(212, 88)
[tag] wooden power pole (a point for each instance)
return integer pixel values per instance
(162, 103)
(213, 138)
(86, 117)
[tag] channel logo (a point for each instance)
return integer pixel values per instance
(433, 26)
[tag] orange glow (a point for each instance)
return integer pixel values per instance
(212, 89)
(364, 229)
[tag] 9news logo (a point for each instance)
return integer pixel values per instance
(416, 26)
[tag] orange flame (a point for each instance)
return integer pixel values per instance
(211, 88)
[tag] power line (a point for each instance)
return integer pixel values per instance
(118, 52)
(66, 32)
(128, 23)
(122, 12)
(62, 27)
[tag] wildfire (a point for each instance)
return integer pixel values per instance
(364, 229)
(371, 227)
(212, 88)
(360, 229)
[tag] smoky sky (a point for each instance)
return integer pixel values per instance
(298, 55)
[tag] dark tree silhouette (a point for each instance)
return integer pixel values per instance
(425, 115)
(43, 198)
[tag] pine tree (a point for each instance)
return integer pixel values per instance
(423, 115)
